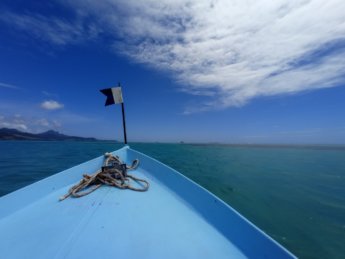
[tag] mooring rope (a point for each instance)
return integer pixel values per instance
(113, 173)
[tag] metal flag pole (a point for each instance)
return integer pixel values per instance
(124, 121)
(114, 96)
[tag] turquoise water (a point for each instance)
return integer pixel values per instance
(295, 194)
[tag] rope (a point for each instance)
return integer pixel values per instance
(112, 173)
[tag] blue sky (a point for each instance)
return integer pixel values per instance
(193, 71)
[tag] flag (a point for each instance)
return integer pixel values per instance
(114, 95)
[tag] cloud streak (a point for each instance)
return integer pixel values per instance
(230, 51)
(10, 86)
(57, 30)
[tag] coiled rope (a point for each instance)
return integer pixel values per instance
(113, 173)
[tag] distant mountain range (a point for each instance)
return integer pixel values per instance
(13, 134)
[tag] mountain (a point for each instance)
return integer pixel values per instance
(13, 134)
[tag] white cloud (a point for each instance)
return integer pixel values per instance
(15, 122)
(229, 50)
(51, 105)
(29, 123)
(18, 126)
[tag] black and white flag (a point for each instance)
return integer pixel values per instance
(114, 95)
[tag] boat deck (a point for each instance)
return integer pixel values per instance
(114, 223)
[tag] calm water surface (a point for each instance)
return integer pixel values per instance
(295, 194)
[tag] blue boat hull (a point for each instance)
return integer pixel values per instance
(175, 218)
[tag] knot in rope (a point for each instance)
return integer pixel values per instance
(113, 173)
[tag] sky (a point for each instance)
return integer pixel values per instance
(227, 71)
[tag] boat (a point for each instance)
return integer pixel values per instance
(174, 218)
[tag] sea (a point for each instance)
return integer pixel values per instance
(296, 194)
